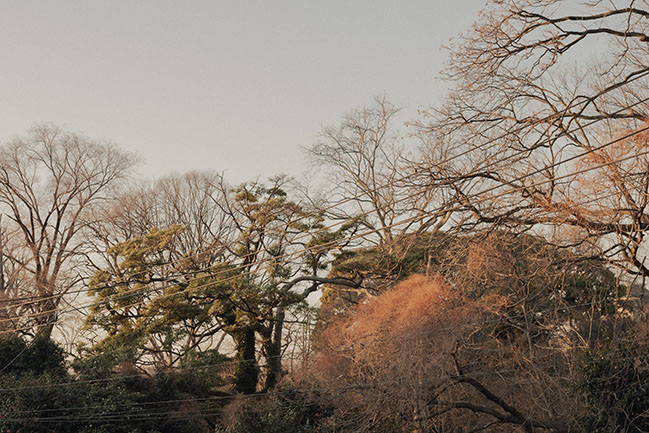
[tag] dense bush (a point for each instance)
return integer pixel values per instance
(615, 384)
(40, 394)
(283, 411)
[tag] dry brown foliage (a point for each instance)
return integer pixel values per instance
(424, 357)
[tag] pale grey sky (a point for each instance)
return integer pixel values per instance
(235, 86)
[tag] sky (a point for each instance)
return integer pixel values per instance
(233, 86)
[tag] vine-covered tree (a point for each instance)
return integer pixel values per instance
(279, 244)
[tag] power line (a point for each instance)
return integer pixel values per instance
(481, 192)
(137, 293)
(473, 324)
(154, 413)
(437, 164)
(329, 245)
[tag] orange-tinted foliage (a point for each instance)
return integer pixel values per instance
(617, 153)
(395, 360)
(420, 319)
(411, 304)
(394, 351)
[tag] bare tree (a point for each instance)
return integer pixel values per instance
(49, 181)
(367, 162)
(184, 200)
(539, 132)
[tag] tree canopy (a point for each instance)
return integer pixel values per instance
(482, 270)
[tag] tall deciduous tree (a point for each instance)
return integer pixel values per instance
(366, 158)
(543, 124)
(49, 182)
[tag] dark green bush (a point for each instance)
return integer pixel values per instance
(615, 384)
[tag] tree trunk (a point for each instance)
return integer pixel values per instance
(273, 348)
(47, 319)
(246, 372)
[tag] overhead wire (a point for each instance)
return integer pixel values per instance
(361, 235)
(155, 413)
(490, 143)
(138, 303)
(551, 310)
(482, 192)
